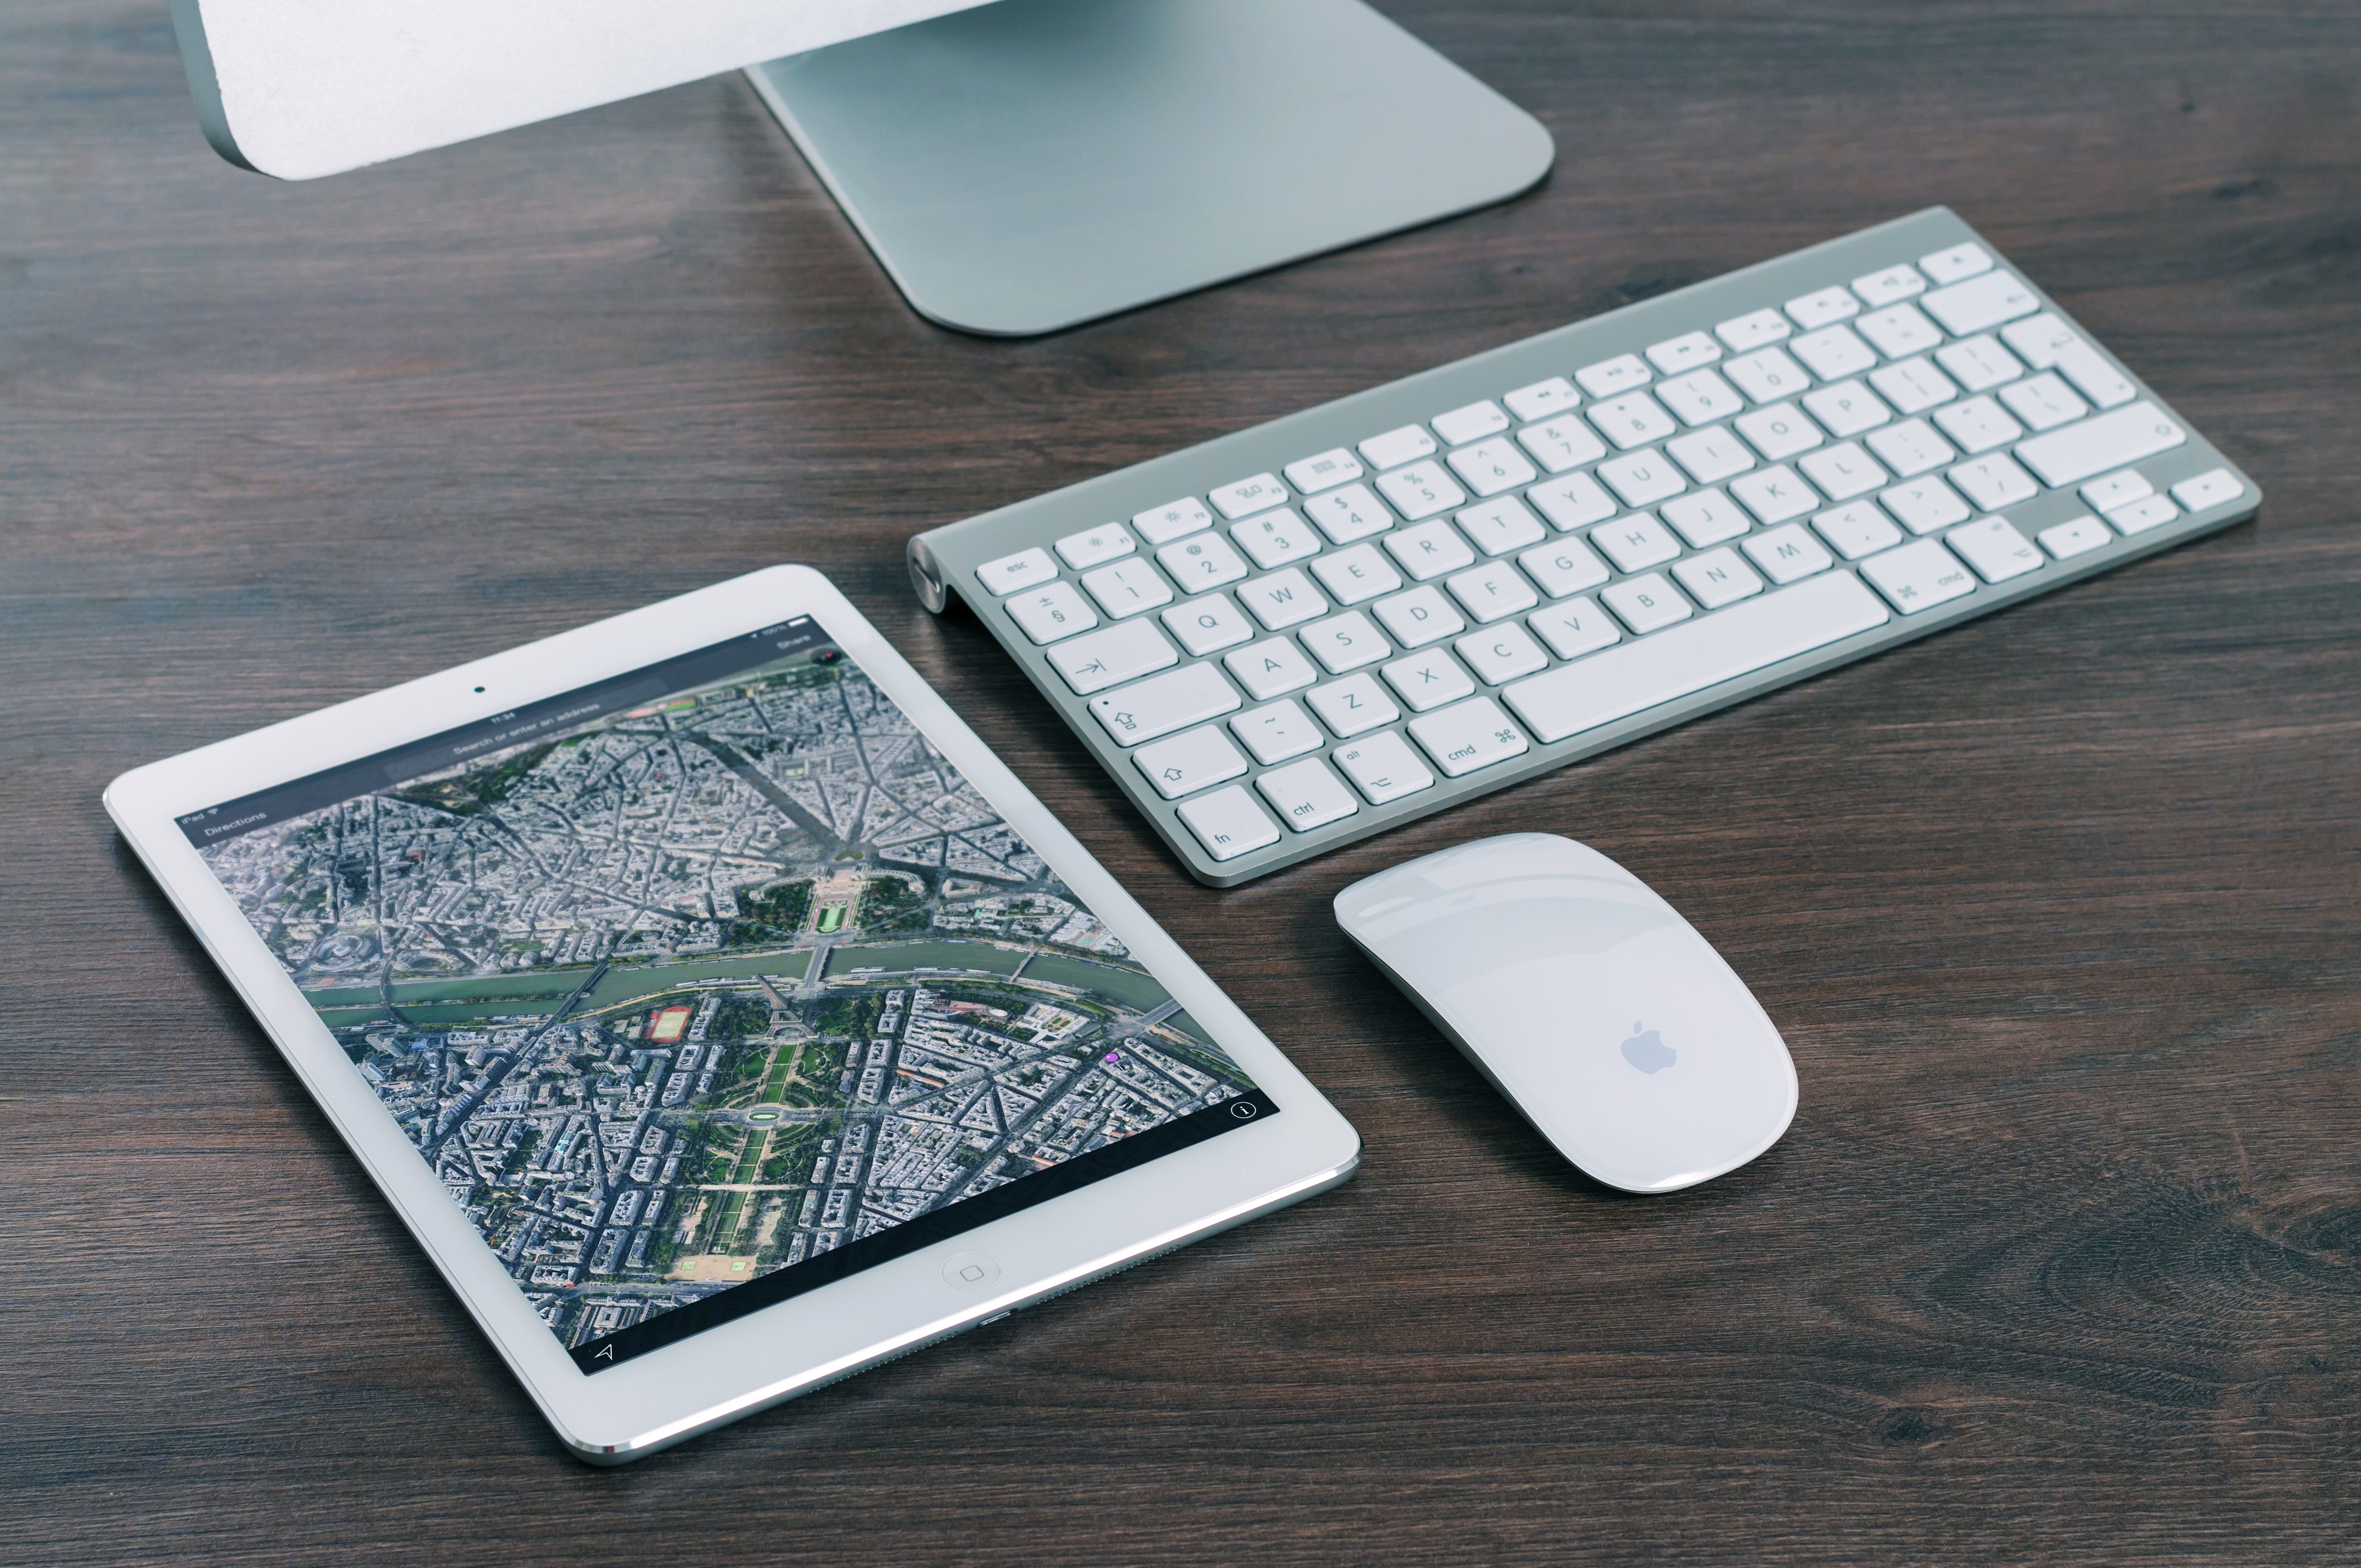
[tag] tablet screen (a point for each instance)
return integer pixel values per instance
(708, 984)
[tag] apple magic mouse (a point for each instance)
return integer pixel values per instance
(1604, 1017)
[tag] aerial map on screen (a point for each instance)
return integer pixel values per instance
(707, 987)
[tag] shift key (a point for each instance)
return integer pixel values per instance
(2100, 445)
(1163, 703)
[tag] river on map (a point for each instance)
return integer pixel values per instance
(438, 1001)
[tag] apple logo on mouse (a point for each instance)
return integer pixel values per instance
(1647, 1051)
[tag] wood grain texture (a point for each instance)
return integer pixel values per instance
(2061, 1262)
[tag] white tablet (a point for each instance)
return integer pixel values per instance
(720, 1013)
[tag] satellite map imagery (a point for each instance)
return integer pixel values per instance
(692, 993)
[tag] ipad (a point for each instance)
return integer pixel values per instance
(719, 1013)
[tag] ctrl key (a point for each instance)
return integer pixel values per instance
(1229, 824)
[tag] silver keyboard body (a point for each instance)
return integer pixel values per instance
(1849, 573)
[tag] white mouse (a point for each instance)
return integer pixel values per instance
(1603, 1016)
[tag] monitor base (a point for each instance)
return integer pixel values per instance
(1030, 165)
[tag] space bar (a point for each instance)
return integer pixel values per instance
(1672, 664)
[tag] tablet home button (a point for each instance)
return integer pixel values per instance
(971, 1271)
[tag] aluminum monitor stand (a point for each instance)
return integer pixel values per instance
(1033, 164)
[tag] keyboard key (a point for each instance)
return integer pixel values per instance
(1672, 664)
(1207, 562)
(1355, 575)
(1126, 588)
(1708, 456)
(1632, 420)
(1348, 514)
(1705, 517)
(1843, 471)
(1641, 477)
(1094, 546)
(1700, 398)
(1011, 573)
(1543, 399)
(2044, 402)
(1834, 353)
(1395, 447)
(1471, 736)
(1419, 617)
(1981, 303)
(1636, 543)
(1207, 625)
(1270, 668)
(1275, 537)
(1817, 310)
(1307, 796)
(1344, 642)
(1428, 680)
(1744, 334)
(1175, 520)
(1572, 502)
(1912, 386)
(1979, 364)
(1777, 431)
(1047, 614)
(1846, 409)
(1497, 527)
(1960, 261)
(2040, 340)
(1228, 823)
(1473, 422)
(2210, 488)
(1421, 491)
(1384, 768)
(1278, 732)
(1163, 703)
(1788, 555)
(1283, 600)
(1995, 548)
(1323, 472)
(2116, 490)
(1646, 602)
(2069, 457)
(1899, 331)
(1613, 378)
(1911, 447)
(1189, 762)
(1925, 505)
(1429, 550)
(1561, 443)
(1490, 466)
(1856, 530)
(1993, 482)
(2142, 515)
(1675, 355)
(1768, 376)
(2077, 536)
(1884, 288)
(1353, 705)
(1977, 425)
(1104, 658)
(1718, 577)
(1774, 495)
(1565, 568)
(1918, 576)
(1575, 628)
(1501, 653)
(1492, 591)
(1248, 496)
(2095, 378)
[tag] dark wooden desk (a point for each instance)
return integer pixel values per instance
(2062, 1259)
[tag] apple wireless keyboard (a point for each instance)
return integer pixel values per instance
(1288, 639)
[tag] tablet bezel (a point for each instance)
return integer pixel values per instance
(735, 1368)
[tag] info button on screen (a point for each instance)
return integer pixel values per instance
(971, 1271)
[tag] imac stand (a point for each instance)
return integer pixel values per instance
(1030, 165)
